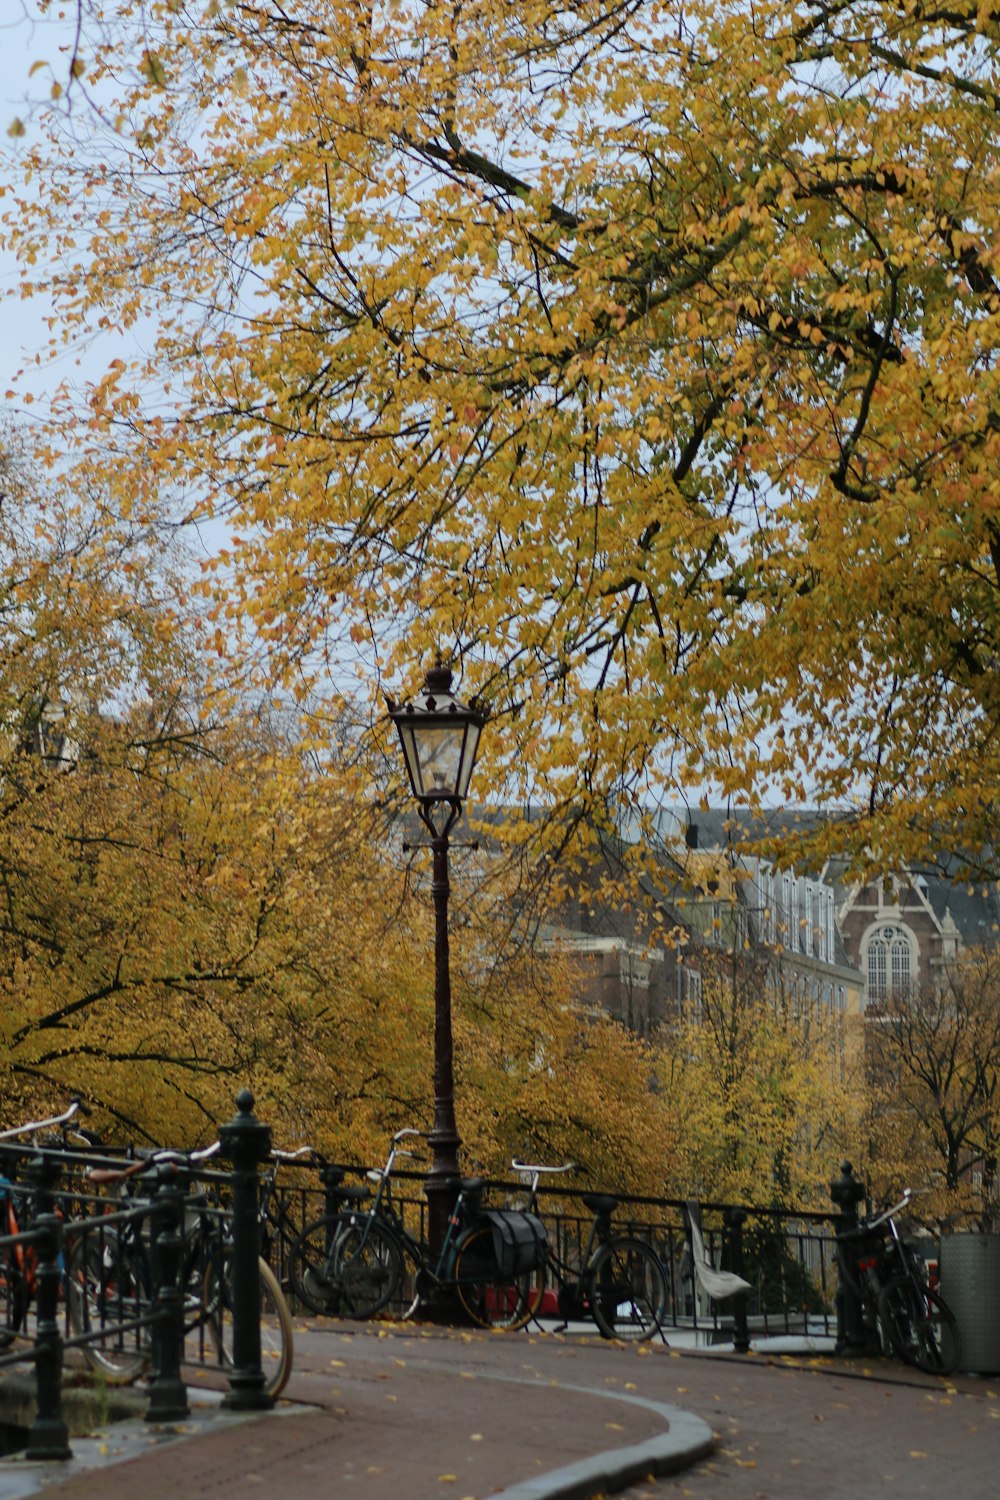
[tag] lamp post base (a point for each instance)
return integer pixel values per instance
(441, 1186)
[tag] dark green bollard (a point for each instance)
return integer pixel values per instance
(48, 1437)
(168, 1401)
(245, 1144)
(734, 1221)
(846, 1193)
(332, 1177)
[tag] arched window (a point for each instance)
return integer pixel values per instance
(890, 963)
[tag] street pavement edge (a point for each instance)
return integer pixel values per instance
(685, 1440)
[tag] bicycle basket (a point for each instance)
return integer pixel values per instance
(519, 1240)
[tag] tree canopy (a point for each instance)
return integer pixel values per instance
(641, 357)
(194, 899)
(934, 1056)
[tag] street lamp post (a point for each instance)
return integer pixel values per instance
(440, 735)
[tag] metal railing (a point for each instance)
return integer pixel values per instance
(787, 1255)
(70, 1230)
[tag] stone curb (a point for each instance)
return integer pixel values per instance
(686, 1440)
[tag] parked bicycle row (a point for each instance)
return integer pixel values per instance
(496, 1263)
(356, 1250)
(354, 1260)
(505, 1269)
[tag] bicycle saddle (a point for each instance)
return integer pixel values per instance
(466, 1184)
(352, 1193)
(600, 1203)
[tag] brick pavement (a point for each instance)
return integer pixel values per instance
(418, 1414)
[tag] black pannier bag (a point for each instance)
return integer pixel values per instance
(519, 1240)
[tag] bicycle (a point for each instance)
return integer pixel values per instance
(897, 1300)
(277, 1237)
(17, 1265)
(354, 1263)
(16, 1268)
(111, 1282)
(619, 1282)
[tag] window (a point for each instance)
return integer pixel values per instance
(688, 990)
(633, 969)
(830, 950)
(795, 939)
(810, 935)
(890, 963)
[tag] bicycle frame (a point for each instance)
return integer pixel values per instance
(106, 1251)
(368, 1248)
(24, 1258)
(571, 1279)
(881, 1264)
(870, 1259)
(469, 1271)
(441, 1273)
(619, 1283)
(381, 1206)
(274, 1213)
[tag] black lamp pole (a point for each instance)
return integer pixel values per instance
(440, 735)
(443, 1139)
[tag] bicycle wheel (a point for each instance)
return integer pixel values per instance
(489, 1297)
(276, 1342)
(920, 1326)
(104, 1288)
(346, 1267)
(627, 1290)
(13, 1299)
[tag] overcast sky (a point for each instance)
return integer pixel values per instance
(24, 40)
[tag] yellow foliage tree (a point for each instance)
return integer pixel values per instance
(762, 1103)
(191, 903)
(645, 358)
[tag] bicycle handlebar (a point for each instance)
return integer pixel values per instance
(180, 1158)
(864, 1226)
(567, 1166)
(890, 1213)
(381, 1174)
(102, 1175)
(34, 1126)
(280, 1155)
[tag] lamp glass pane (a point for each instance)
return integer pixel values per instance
(410, 753)
(439, 759)
(468, 759)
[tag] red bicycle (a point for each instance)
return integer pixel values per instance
(18, 1261)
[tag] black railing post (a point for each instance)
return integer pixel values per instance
(846, 1193)
(245, 1144)
(331, 1176)
(734, 1219)
(168, 1400)
(48, 1436)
